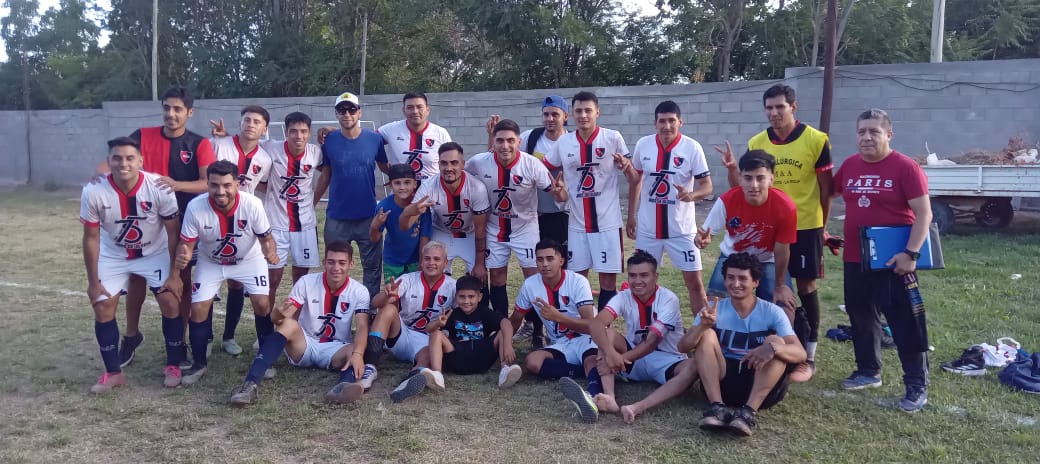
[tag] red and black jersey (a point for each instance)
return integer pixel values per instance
(177, 158)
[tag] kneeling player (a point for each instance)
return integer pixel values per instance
(313, 328)
(563, 300)
(476, 337)
(744, 362)
(649, 350)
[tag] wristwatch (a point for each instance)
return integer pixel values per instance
(912, 254)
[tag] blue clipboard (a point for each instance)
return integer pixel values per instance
(879, 243)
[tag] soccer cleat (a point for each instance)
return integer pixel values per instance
(171, 376)
(192, 375)
(509, 375)
(743, 421)
(971, 363)
(715, 416)
(231, 347)
(108, 381)
(345, 392)
(581, 399)
(186, 361)
(412, 386)
(368, 377)
(526, 330)
(434, 379)
(270, 373)
(803, 372)
(915, 399)
(128, 348)
(246, 394)
(857, 381)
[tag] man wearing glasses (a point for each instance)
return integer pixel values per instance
(350, 156)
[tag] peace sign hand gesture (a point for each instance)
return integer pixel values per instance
(703, 238)
(709, 314)
(728, 160)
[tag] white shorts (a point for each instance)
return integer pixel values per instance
(652, 367)
(573, 348)
(523, 247)
(464, 248)
(252, 274)
(115, 273)
(601, 251)
(303, 245)
(684, 254)
(408, 343)
(317, 354)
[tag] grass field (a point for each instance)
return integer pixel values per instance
(50, 359)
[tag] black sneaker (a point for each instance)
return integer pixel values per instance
(715, 416)
(743, 421)
(246, 394)
(128, 348)
(971, 363)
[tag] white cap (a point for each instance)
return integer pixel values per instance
(347, 97)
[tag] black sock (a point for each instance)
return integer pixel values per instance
(555, 368)
(374, 349)
(604, 297)
(348, 375)
(270, 350)
(173, 333)
(198, 337)
(107, 334)
(499, 299)
(536, 324)
(811, 303)
(236, 298)
(264, 327)
(594, 385)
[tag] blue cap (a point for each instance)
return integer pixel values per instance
(556, 101)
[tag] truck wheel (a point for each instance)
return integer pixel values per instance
(996, 212)
(942, 216)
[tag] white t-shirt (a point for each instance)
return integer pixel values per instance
(588, 169)
(512, 193)
(290, 187)
(542, 147)
(327, 314)
(454, 210)
(132, 223)
(661, 214)
(569, 294)
(416, 149)
(422, 301)
(252, 166)
(659, 315)
(226, 239)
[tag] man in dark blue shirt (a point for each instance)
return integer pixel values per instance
(350, 157)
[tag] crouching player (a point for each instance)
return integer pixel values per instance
(649, 350)
(744, 349)
(313, 328)
(469, 339)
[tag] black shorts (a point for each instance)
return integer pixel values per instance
(472, 357)
(807, 255)
(554, 226)
(736, 386)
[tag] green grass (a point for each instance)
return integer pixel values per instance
(50, 358)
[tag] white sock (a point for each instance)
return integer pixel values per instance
(810, 351)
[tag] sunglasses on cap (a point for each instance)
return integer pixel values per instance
(344, 109)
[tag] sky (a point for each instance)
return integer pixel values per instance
(644, 7)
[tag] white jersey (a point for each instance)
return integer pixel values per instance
(542, 147)
(454, 209)
(569, 294)
(422, 301)
(252, 166)
(327, 314)
(225, 239)
(131, 223)
(512, 193)
(290, 187)
(416, 149)
(661, 214)
(660, 315)
(588, 168)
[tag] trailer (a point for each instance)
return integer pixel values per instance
(985, 193)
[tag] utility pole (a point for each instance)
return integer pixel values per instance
(364, 50)
(938, 29)
(155, 50)
(830, 38)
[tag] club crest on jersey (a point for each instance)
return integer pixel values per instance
(306, 168)
(186, 156)
(565, 299)
(465, 201)
(242, 224)
(441, 299)
(677, 161)
(734, 223)
(600, 152)
(146, 206)
(344, 306)
(517, 179)
(429, 143)
(256, 169)
(195, 287)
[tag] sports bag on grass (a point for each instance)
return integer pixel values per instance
(1023, 374)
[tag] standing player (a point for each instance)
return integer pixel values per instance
(803, 172)
(414, 140)
(253, 165)
(670, 174)
(349, 160)
(650, 352)
(458, 207)
(563, 300)
(129, 228)
(591, 158)
(513, 179)
(227, 224)
(180, 157)
(313, 327)
(401, 247)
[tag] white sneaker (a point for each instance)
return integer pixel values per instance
(369, 376)
(270, 373)
(434, 379)
(256, 345)
(509, 375)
